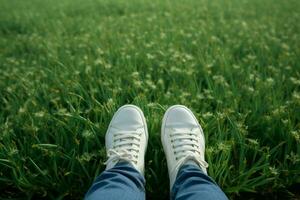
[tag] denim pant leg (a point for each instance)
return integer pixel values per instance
(122, 181)
(191, 184)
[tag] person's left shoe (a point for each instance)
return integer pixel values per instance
(127, 137)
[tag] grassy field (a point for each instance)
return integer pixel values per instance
(67, 65)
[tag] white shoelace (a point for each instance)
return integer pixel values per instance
(186, 146)
(126, 147)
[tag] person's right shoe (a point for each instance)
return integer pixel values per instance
(183, 140)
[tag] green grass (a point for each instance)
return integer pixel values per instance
(67, 65)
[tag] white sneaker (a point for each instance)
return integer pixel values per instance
(182, 139)
(126, 137)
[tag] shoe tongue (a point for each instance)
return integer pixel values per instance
(191, 162)
(184, 132)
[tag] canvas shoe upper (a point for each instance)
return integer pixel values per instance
(182, 139)
(126, 137)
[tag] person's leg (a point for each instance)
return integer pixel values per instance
(191, 183)
(184, 145)
(122, 181)
(126, 142)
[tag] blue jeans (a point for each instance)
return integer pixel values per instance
(124, 182)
